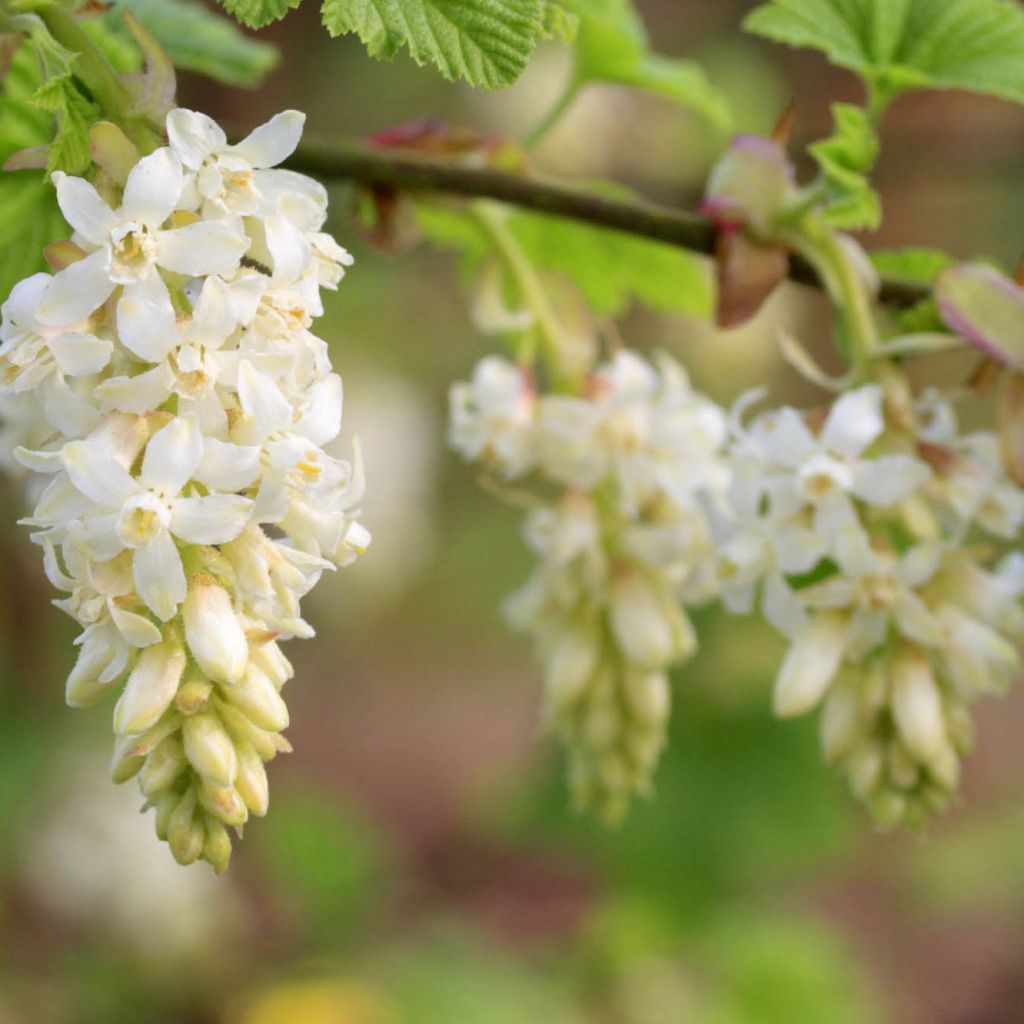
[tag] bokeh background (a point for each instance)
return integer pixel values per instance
(420, 864)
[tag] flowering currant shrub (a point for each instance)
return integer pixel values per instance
(173, 417)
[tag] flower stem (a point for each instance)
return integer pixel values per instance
(554, 115)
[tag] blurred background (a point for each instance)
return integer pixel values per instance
(420, 864)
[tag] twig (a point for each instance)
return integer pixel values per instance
(633, 216)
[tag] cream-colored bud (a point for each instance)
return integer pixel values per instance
(944, 768)
(150, 687)
(888, 808)
(192, 695)
(212, 630)
(917, 705)
(641, 621)
(185, 832)
(163, 765)
(840, 722)
(209, 749)
(251, 781)
(256, 697)
(224, 803)
(570, 662)
(270, 660)
(903, 770)
(241, 730)
(810, 665)
(648, 695)
(866, 765)
(125, 763)
(216, 845)
(165, 803)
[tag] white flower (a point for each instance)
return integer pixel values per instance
(144, 514)
(129, 245)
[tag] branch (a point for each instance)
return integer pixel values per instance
(415, 173)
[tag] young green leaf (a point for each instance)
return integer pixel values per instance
(486, 42)
(257, 13)
(559, 22)
(197, 39)
(846, 159)
(895, 45)
(31, 221)
(612, 46)
(915, 264)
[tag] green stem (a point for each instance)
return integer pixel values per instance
(822, 247)
(554, 115)
(492, 220)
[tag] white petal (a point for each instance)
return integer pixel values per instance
(138, 394)
(172, 455)
(262, 402)
(159, 576)
(212, 519)
(205, 247)
(194, 136)
(146, 329)
(320, 421)
(97, 536)
(137, 630)
(854, 421)
(274, 141)
(889, 478)
(214, 315)
(153, 188)
(228, 467)
(97, 474)
(70, 413)
(783, 436)
(76, 291)
(288, 246)
(77, 353)
(84, 209)
(19, 311)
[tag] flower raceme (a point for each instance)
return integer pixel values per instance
(622, 546)
(851, 535)
(191, 501)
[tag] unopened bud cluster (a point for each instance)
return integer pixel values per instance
(865, 533)
(190, 501)
(622, 546)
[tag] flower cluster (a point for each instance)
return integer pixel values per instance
(622, 545)
(853, 535)
(191, 502)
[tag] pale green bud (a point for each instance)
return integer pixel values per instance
(256, 697)
(266, 744)
(251, 781)
(216, 845)
(888, 808)
(163, 765)
(571, 661)
(150, 687)
(648, 695)
(902, 768)
(165, 804)
(212, 630)
(224, 803)
(270, 660)
(193, 694)
(866, 765)
(840, 722)
(185, 832)
(209, 749)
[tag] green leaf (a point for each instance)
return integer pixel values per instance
(612, 46)
(197, 39)
(31, 221)
(22, 125)
(486, 42)
(559, 22)
(895, 45)
(915, 264)
(846, 158)
(611, 269)
(257, 13)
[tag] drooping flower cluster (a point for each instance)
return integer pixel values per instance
(852, 534)
(622, 546)
(191, 503)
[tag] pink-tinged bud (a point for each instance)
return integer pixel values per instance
(150, 688)
(214, 635)
(985, 307)
(917, 706)
(256, 697)
(209, 749)
(750, 186)
(810, 665)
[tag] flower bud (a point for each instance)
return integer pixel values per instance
(649, 696)
(185, 831)
(257, 699)
(251, 781)
(150, 687)
(641, 622)
(840, 722)
(85, 686)
(163, 765)
(216, 844)
(209, 749)
(270, 660)
(810, 665)
(570, 663)
(224, 803)
(212, 630)
(192, 695)
(917, 705)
